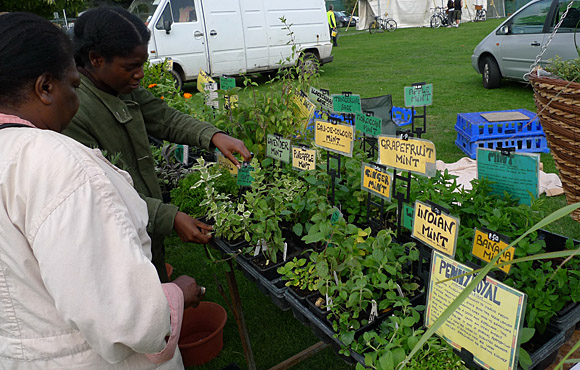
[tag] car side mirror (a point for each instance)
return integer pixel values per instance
(504, 30)
(167, 26)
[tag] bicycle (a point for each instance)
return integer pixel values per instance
(480, 13)
(439, 18)
(380, 24)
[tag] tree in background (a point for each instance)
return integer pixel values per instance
(46, 8)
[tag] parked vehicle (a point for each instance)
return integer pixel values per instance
(232, 37)
(510, 49)
(342, 19)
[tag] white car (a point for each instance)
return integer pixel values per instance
(511, 49)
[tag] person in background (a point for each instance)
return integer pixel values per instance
(332, 24)
(457, 13)
(78, 289)
(450, 13)
(116, 114)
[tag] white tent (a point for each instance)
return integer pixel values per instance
(417, 13)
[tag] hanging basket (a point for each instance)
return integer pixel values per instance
(558, 107)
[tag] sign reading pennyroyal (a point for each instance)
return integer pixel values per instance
(376, 181)
(434, 227)
(486, 324)
(335, 137)
(413, 155)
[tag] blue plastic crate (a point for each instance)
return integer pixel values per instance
(523, 144)
(475, 127)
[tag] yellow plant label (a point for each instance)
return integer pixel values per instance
(226, 163)
(335, 137)
(303, 159)
(376, 181)
(435, 228)
(303, 109)
(414, 155)
(487, 245)
(202, 79)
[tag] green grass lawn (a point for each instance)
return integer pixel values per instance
(371, 65)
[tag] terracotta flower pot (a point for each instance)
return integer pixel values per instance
(169, 269)
(202, 333)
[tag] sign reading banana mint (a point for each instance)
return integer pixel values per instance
(302, 108)
(413, 155)
(486, 324)
(303, 159)
(418, 95)
(346, 103)
(376, 181)
(226, 163)
(278, 148)
(335, 137)
(368, 124)
(434, 227)
(321, 97)
(487, 244)
(515, 173)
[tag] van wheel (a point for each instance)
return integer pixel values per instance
(490, 74)
(308, 64)
(177, 79)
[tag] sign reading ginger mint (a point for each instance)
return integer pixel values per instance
(487, 244)
(278, 148)
(434, 227)
(303, 159)
(413, 155)
(486, 324)
(376, 181)
(335, 137)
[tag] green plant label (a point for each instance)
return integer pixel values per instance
(414, 155)
(227, 83)
(336, 215)
(303, 159)
(435, 228)
(278, 148)
(486, 324)
(368, 124)
(418, 95)
(346, 103)
(182, 153)
(408, 215)
(376, 181)
(244, 177)
(487, 244)
(514, 173)
(321, 98)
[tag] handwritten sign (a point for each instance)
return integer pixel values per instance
(278, 148)
(321, 98)
(227, 83)
(418, 96)
(337, 137)
(515, 173)
(202, 79)
(376, 181)
(487, 244)
(435, 228)
(226, 163)
(414, 155)
(303, 109)
(211, 95)
(303, 159)
(231, 101)
(244, 177)
(486, 324)
(368, 124)
(408, 215)
(346, 103)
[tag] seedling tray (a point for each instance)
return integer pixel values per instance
(476, 127)
(522, 144)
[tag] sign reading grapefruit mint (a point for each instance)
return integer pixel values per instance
(434, 227)
(414, 155)
(303, 159)
(335, 137)
(486, 324)
(418, 95)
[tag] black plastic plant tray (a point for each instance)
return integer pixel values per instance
(567, 319)
(274, 289)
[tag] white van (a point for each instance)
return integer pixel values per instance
(233, 37)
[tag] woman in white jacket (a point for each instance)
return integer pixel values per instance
(77, 288)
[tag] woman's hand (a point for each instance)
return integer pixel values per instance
(192, 293)
(229, 145)
(191, 229)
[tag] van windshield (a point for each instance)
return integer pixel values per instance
(144, 9)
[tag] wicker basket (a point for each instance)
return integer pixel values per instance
(560, 119)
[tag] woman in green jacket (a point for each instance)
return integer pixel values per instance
(116, 115)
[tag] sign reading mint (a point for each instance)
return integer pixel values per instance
(419, 95)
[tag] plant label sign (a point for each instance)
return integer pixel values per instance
(434, 227)
(413, 155)
(182, 153)
(346, 103)
(408, 215)
(202, 79)
(321, 97)
(515, 173)
(335, 137)
(303, 159)
(486, 324)
(244, 176)
(418, 95)
(227, 83)
(211, 95)
(368, 124)
(230, 101)
(303, 108)
(376, 181)
(226, 163)
(278, 148)
(487, 244)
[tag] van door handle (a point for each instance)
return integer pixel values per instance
(212, 33)
(535, 43)
(198, 34)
